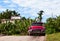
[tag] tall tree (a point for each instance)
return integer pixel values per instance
(40, 15)
(23, 18)
(8, 13)
(14, 13)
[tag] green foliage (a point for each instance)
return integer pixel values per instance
(53, 25)
(8, 13)
(19, 27)
(40, 15)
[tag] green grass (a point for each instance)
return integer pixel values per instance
(53, 37)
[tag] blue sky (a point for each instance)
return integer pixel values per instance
(30, 8)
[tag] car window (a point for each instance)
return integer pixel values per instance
(37, 24)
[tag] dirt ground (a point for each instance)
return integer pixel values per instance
(22, 38)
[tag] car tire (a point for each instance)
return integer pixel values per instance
(43, 34)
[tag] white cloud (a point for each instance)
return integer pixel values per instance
(12, 5)
(35, 3)
(2, 9)
(49, 6)
(6, 1)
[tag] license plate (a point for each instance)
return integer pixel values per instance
(36, 31)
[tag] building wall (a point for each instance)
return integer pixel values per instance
(12, 20)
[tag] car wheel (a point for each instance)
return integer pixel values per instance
(43, 34)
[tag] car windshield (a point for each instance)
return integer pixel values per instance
(37, 24)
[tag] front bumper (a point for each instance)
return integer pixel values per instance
(36, 31)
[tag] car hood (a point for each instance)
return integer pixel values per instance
(37, 27)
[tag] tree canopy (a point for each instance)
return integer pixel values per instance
(40, 15)
(8, 13)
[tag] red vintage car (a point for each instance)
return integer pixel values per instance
(36, 28)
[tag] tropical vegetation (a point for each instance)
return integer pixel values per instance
(20, 27)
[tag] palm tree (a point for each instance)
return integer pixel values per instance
(40, 15)
(14, 13)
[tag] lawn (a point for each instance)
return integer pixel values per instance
(53, 37)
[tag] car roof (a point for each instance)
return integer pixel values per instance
(37, 23)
